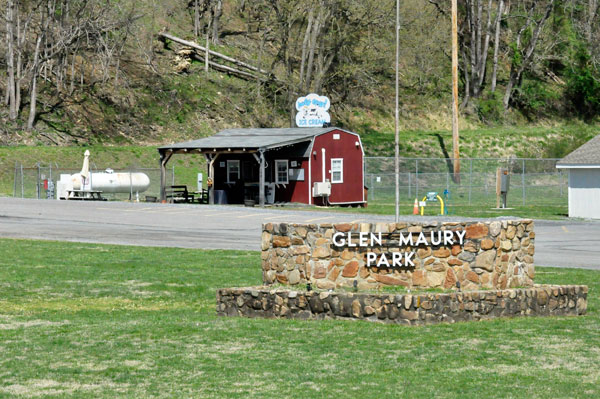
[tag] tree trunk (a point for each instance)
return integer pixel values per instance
(196, 19)
(116, 80)
(72, 84)
(311, 51)
(467, 96)
(34, 75)
(497, 44)
(323, 65)
(259, 62)
(19, 67)
(301, 84)
(591, 16)
(482, 62)
(471, 16)
(509, 88)
(207, 51)
(10, 60)
(217, 13)
(478, 31)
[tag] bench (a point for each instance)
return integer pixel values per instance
(202, 196)
(178, 194)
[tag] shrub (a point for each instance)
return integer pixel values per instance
(535, 98)
(490, 108)
(583, 86)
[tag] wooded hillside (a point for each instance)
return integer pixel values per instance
(77, 71)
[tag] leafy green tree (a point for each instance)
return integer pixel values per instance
(583, 86)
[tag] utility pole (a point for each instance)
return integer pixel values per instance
(455, 146)
(397, 139)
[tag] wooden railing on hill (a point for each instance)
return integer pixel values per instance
(200, 54)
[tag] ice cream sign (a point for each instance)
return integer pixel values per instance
(312, 111)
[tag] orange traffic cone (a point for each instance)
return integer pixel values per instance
(416, 207)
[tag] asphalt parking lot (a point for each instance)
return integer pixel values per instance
(565, 243)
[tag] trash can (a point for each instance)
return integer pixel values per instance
(221, 197)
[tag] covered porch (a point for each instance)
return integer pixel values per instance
(253, 165)
(249, 164)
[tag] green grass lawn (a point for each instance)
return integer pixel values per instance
(84, 320)
(476, 210)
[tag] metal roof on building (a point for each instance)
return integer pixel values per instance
(249, 139)
(587, 154)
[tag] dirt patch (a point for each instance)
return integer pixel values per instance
(7, 323)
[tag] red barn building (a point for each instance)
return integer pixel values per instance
(306, 165)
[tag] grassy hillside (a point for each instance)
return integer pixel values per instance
(153, 93)
(488, 142)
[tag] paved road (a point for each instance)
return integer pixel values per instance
(558, 243)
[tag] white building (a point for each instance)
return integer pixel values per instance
(583, 165)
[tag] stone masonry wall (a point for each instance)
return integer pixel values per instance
(494, 254)
(568, 300)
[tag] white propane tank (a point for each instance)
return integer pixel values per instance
(122, 182)
(105, 182)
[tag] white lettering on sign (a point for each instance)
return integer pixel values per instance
(397, 259)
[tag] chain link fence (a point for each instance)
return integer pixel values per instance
(34, 182)
(532, 181)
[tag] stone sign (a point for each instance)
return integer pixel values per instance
(450, 255)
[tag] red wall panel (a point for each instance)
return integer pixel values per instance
(351, 190)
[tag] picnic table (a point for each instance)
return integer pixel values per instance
(85, 195)
(178, 193)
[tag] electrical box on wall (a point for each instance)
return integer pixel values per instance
(321, 189)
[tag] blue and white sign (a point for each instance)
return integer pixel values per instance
(312, 111)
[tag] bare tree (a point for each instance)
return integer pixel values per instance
(525, 44)
(46, 36)
(475, 30)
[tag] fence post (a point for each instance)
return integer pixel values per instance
(22, 183)
(409, 187)
(523, 180)
(372, 188)
(172, 175)
(417, 178)
(470, 178)
(37, 182)
(15, 181)
(130, 186)
(560, 182)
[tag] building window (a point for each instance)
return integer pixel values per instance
(281, 171)
(337, 170)
(233, 171)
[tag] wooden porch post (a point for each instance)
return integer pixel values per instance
(164, 158)
(211, 175)
(261, 179)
